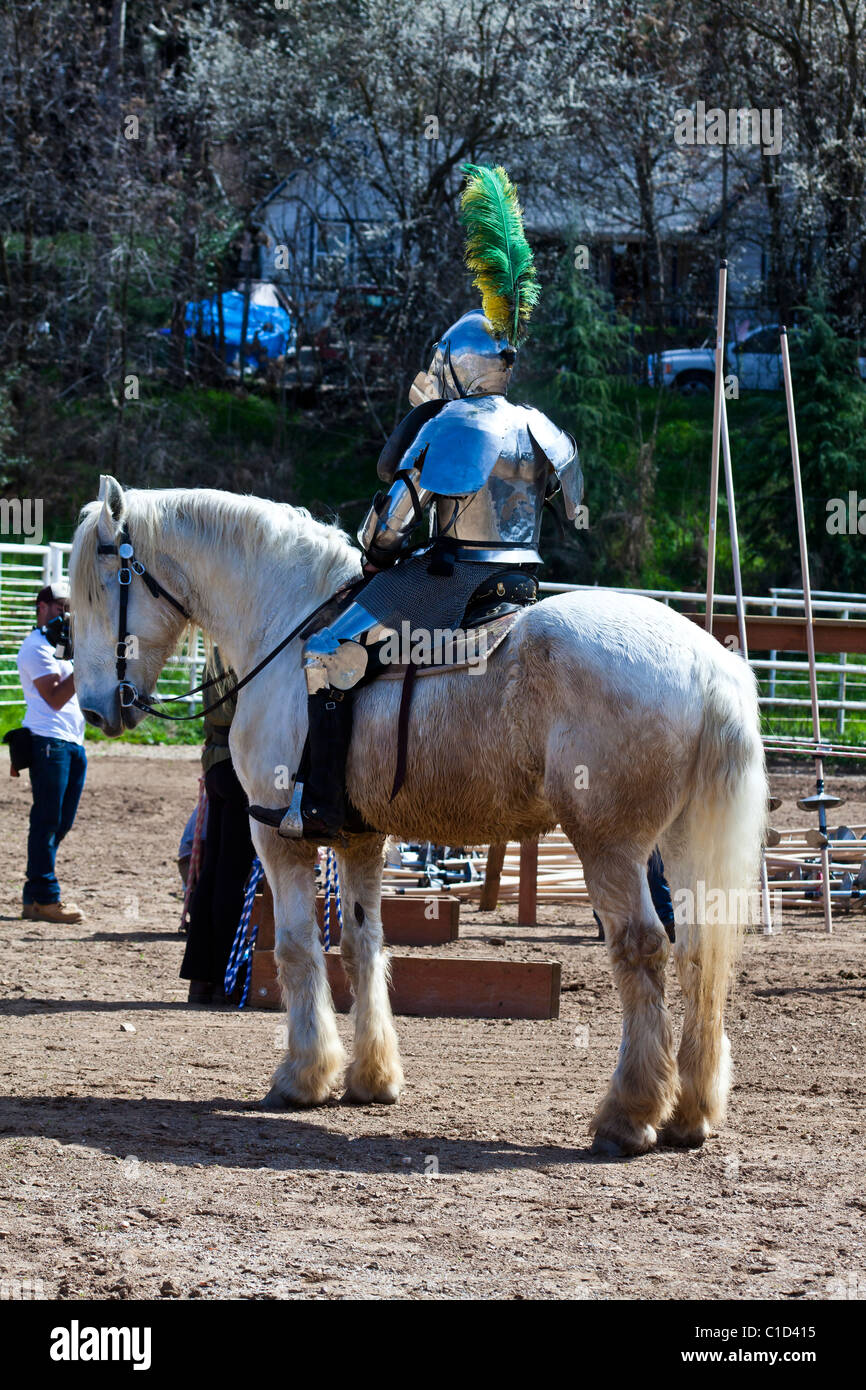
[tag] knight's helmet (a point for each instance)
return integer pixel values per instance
(476, 355)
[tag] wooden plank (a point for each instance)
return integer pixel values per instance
(492, 875)
(527, 912)
(432, 920)
(438, 986)
(262, 916)
(766, 633)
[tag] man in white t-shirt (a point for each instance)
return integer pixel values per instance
(58, 763)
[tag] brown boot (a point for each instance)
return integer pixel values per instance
(65, 914)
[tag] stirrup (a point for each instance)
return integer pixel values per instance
(286, 821)
(290, 824)
(291, 827)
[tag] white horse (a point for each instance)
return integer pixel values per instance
(609, 714)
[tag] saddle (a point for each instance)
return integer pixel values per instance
(487, 634)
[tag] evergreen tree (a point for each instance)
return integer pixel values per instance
(830, 402)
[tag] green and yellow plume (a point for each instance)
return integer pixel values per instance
(497, 250)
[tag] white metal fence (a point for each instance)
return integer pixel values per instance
(783, 680)
(24, 569)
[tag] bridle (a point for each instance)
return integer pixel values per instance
(128, 568)
(129, 696)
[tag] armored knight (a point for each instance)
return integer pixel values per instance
(481, 468)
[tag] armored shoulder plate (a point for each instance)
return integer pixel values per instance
(458, 449)
(400, 439)
(560, 451)
(556, 445)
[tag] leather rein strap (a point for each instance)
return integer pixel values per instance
(129, 567)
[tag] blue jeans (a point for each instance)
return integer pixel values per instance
(57, 771)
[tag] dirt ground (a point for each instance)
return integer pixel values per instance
(134, 1162)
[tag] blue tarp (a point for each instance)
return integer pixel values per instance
(272, 326)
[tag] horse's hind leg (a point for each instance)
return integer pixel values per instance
(314, 1059)
(643, 1090)
(704, 955)
(375, 1073)
(704, 1057)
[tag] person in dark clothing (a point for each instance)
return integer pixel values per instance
(660, 894)
(217, 899)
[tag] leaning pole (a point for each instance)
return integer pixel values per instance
(721, 437)
(818, 801)
(718, 393)
(741, 618)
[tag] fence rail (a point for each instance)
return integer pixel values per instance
(24, 569)
(783, 683)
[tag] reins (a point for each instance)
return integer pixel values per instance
(130, 567)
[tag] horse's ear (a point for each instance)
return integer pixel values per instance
(113, 507)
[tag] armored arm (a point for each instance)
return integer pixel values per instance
(560, 452)
(395, 514)
(393, 517)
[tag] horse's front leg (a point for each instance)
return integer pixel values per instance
(375, 1073)
(314, 1059)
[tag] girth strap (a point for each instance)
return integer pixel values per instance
(403, 727)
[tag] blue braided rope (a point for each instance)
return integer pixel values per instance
(248, 957)
(332, 885)
(338, 896)
(243, 944)
(329, 869)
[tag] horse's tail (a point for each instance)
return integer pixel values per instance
(730, 807)
(715, 854)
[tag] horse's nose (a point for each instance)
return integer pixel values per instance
(93, 717)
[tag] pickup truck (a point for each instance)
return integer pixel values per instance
(755, 360)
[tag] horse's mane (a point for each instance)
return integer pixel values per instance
(219, 519)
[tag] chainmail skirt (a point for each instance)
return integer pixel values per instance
(409, 593)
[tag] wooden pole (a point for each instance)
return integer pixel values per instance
(807, 607)
(741, 616)
(735, 538)
(718, 393)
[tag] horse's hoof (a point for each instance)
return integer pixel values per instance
(622, 1146)
(607, 1148)
(678, 1137)
(277, 1099)
(358, 1095)
(273, 1100)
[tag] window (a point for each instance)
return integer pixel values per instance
(344, 251)
(764, 340)
(331, 251)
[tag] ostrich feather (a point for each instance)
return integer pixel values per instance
(497, 250)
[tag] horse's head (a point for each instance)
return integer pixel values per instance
(153, 625)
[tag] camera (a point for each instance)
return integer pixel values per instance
(58, 634)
